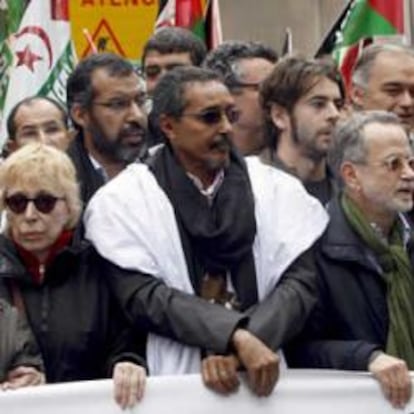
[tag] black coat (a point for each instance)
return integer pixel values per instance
(89, 179)
(77, 323)
(351, 318)
(17, 344)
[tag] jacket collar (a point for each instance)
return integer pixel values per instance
(341, 242)
(12, 265)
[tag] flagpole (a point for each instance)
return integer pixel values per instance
(408, 30)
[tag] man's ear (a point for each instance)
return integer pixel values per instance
(350, 177)
(279, 117)
(79, 114)
(167, 125)
(357, 95)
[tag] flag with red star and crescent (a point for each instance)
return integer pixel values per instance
(36, 50)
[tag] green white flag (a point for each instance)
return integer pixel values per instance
(36, 50)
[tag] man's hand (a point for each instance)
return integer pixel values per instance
(22, 377)
(394, 377)
(129, 383)
(220, 373)
(261, 363)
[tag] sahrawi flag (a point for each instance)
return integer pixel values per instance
(202, 17)
(37, 52)
(365, 21)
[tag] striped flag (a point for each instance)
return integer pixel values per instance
(361, 23)
(202, 17)
(39, 55)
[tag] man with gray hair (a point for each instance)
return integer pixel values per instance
(364, 319)
(383, 78)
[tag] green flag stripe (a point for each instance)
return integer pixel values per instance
(365, 22)
(6, 61)
(55, 84)
(199, 30)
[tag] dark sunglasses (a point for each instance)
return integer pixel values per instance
(214, 116)
(43, 202)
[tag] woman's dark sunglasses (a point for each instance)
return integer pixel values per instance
(43, 202)
(214, 116)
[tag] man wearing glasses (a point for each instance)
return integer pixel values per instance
(107, 104)
(301, 100)
(364, 319)
(216, 255)
(243, 66)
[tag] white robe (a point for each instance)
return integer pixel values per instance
(131, 222)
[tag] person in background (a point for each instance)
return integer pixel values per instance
(107, 104)
(37, 119)
(168, 48)
(301, 100)
(243, 66)
(383, 79)
(57, 276)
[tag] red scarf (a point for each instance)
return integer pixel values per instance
(36, 269)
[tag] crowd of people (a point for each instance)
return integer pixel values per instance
(212, 212)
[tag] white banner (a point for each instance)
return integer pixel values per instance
(298, 392)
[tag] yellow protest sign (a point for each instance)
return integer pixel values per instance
(119, 26)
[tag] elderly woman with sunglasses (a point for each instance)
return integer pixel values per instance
(79, 328)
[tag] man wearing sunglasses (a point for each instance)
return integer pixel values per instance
(364, 319)
(214, 255)
(107, 103)
(301, 100)
(243, 66)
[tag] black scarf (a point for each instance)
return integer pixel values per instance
(221, 234)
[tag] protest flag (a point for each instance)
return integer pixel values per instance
(361, 22)
(39, 53)
(200, 16)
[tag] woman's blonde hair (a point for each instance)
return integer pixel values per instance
(47, 168)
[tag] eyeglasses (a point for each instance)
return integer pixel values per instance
(213, 116)
(396, 164)
(152, 71)
(43, 202)
(123, 104)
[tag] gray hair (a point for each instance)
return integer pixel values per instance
(349, 139)
(363, 66)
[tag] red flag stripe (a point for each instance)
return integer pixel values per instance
(392, 10)
(188, 12)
